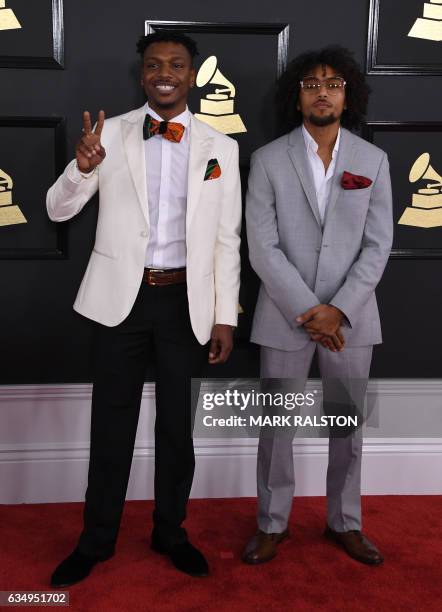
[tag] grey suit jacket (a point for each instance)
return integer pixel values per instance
(302, 263)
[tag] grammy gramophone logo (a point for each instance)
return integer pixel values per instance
(8, 20)
(430, 26)
(217, 108)
(10, 214)
(426, 209)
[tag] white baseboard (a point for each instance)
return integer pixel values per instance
(44, 448)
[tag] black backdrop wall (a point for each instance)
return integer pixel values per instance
(42, 340)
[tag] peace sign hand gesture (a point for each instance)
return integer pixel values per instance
(89, 152)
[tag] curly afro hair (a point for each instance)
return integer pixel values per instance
(357, 90)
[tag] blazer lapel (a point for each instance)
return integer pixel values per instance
(298, 155)
(201, 144)
(343, 162)
(132, 129)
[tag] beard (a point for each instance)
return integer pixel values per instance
(323, 121)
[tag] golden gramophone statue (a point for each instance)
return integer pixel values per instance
(426, 209)
(217, 108)
(8, 20)
(430, 26)
(10, 214)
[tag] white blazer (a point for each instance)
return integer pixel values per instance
(213, 218)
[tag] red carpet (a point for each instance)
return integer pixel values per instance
(308, 574)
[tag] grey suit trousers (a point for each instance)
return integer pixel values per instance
(275, 470)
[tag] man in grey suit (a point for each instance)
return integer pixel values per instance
(319, 227)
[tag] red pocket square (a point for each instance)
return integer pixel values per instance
(353, 181)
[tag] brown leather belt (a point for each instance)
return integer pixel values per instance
(153, 276)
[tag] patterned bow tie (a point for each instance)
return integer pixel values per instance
(169, 130)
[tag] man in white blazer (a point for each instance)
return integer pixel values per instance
(162, 284)
(319, 228)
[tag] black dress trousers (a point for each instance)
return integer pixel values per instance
(158, 329)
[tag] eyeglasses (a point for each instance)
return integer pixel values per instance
(333, 85)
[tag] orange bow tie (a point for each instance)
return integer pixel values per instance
(169, 130)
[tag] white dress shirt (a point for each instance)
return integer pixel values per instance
(166, 172)
(321, 178)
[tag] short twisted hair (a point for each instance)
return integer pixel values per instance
(168, 36)
(357, 90)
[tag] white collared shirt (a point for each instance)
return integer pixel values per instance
(321, 178)
(166, 174)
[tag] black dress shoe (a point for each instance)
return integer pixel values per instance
(74, 568)
(184, 556)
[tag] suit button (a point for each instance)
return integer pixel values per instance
(143, 234)
(318, 250)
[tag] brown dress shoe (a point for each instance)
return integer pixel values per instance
(262, 547)
(356, 545)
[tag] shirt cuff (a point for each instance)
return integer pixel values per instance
(76, 176)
